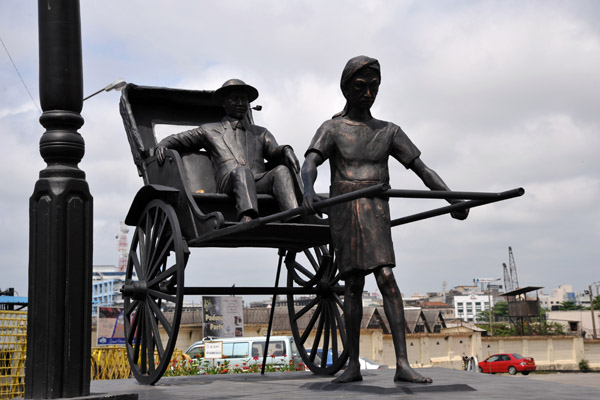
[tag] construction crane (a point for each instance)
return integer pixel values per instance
(507, 282)
(513, 269)
(123, 247)
(511, 281)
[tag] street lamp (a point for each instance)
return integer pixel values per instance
(118, 85)
(490, 305)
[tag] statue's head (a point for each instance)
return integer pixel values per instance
(360, 84)
(360, 81)
(235, 96)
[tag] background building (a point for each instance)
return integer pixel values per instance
(107, 282)
(470, 306)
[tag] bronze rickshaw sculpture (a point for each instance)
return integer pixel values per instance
(178, 208)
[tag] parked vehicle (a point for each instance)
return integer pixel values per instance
(366, 363)
(508, 362)
(248, 351)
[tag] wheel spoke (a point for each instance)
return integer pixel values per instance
(150, 338)
(334, 338)
(340, 319)
(147, 244)
(138, 342)
(306, 308)
(325, 319)
(157, 237)
(141, 236)
(163, 276)
(129, 308)
(136, 264)
(161, 295)
(299, 268)
(133, 327)
(319, 254)
(336, 280)
(142, 337)
(315, 345)
(161, 317)
(157, 262)
(310, 325)
(311, 259)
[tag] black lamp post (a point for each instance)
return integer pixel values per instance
(60, 233)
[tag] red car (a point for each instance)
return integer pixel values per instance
(511, 363)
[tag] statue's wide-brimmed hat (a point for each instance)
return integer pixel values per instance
(235, 84)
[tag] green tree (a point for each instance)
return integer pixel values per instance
(569, 306)
(596, 302)
(500, 310)
(483, 316)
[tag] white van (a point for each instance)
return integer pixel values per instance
(248, 351)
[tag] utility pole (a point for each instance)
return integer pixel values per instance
(490, 309)
(490, 305)
(593, 315)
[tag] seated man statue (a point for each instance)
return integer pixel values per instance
(238, 150)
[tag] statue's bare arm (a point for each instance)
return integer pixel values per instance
(309, 176)
(434, 182)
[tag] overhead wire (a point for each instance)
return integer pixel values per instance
(20, 77)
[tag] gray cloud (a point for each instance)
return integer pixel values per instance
(496, 94)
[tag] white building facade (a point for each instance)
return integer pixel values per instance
(468, 307)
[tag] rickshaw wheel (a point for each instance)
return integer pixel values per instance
(317, 324)
(153, 291)
(305, 266)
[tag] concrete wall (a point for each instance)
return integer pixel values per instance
(447, 349)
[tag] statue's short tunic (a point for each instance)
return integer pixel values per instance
(358, 155)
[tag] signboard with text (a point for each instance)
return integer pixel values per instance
(213, 350)
(222, 316)
(110, 328)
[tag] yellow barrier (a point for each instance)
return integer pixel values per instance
(13, 348)
(110, 362)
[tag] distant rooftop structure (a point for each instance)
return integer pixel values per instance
(522, 308)
(12, 303)
(521, 291)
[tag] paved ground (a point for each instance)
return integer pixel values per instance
(447, 384)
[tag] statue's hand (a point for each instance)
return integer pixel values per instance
(310, 197)
(290, 160)
(461, 214)
(159, 152)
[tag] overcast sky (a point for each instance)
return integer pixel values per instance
(496, 94)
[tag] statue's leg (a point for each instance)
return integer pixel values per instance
(394, 311)
(279, 183)
(240, 182)
(353, 311)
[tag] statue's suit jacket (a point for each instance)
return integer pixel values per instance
(219, 140)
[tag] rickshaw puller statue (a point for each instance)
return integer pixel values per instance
(358, 147)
